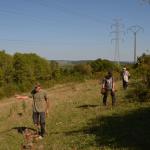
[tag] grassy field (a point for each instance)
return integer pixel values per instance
(78, 121)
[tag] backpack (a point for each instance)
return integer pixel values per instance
(108, 83)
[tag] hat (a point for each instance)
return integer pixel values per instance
(37, 85)
(124, 68)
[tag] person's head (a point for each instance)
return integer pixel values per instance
(124, 69)
(37, 87)
(109, 74)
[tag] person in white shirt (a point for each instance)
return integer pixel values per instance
(125, 78)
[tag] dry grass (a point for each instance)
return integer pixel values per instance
(77, 120)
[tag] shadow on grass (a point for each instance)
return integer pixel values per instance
(20, 114)
(87, 106)
(22, 129)
(131, 131)
(18, 129)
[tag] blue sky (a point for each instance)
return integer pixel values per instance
(72, 29)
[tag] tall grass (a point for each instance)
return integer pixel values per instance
(78, 121)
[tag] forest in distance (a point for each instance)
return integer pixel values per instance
(19, 72)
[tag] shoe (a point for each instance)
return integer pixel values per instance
(40, 137)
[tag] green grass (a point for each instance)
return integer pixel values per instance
(78, 121)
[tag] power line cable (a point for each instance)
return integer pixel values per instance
(71, 11)
(18, 13)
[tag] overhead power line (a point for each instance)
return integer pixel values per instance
(19, 13)
(67, 10)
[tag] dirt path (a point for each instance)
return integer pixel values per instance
(57, 93)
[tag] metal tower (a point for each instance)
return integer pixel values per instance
(135, 29)
(117, 28)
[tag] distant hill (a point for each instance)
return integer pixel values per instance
(72, 62)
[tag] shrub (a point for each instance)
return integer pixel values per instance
(141, 88)
(139, 93)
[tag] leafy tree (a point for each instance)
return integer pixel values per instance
(6, 67)
(56, 71)
(102, 65)
(84, 69)
(20, 68)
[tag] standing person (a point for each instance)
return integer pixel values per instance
(108, 87)
(125, 78)
(40, 110)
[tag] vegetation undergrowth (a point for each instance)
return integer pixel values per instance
(78, 121)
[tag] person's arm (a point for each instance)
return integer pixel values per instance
(47, 107)
(23, 97)
(47, 104)
(113, 86)
(103, 84)
(128, 75)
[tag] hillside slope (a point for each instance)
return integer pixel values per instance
(78, 121)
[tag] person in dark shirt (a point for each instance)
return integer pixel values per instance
(108, 87)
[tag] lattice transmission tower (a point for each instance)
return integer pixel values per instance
(135, 29)
(117, 33)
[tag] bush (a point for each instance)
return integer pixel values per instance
(2, 93)
(139, 92)
(141, 88)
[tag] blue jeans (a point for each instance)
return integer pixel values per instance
(39, 119)
(112, 96)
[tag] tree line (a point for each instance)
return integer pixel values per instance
(19, 72)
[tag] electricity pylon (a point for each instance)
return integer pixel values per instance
(135, 29)
(117, 28)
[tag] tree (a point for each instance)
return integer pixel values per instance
(6, 67)
(55, 70)
(102, 65)
(21, 70)
(84, 69)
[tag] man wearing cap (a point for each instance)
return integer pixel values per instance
(40, 107)
(125, 78)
